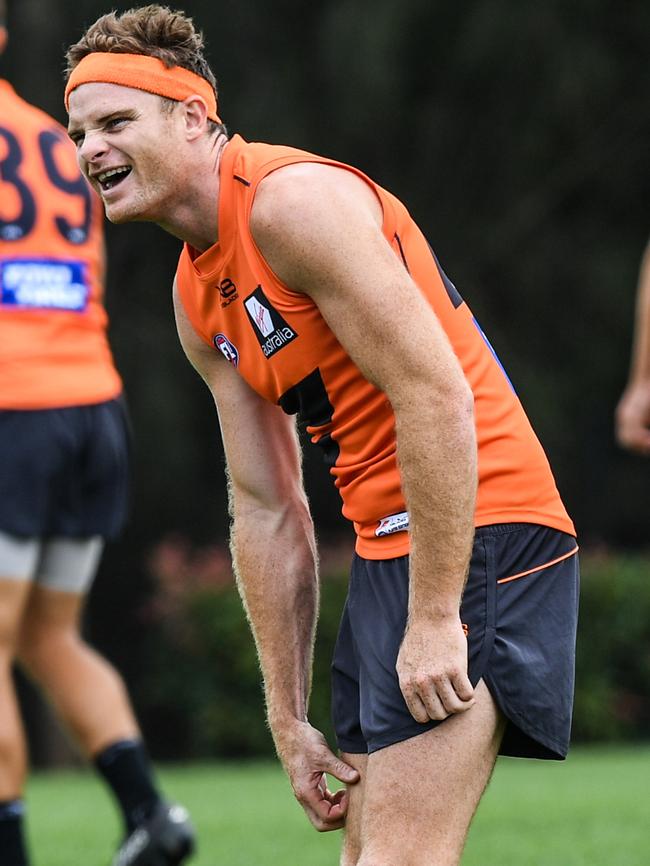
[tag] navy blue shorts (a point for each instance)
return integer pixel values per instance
(519, 609)
(64, 472)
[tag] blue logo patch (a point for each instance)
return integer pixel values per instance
(46, 284)
(227, 349)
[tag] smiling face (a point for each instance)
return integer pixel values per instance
(130, 148)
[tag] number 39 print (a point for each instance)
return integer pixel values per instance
(17, 223)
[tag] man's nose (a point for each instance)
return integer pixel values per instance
(93, 146)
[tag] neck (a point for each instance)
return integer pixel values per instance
(194, 217)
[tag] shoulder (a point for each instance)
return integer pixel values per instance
(303, 196)
(311, 222)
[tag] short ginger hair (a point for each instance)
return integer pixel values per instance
(156, 31)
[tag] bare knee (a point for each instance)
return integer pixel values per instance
(39, 647)
(49, 630)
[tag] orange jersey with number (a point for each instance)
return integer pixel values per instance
(53, 346)
(281, 345)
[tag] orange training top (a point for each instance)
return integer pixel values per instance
(53, 346)
(279, 342)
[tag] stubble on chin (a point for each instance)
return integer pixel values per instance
(123, 214)
(121, 218)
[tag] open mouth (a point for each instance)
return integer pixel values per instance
(113, 177)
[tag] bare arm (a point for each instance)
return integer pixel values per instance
(320, 230)
(633, 411)
(274, 554)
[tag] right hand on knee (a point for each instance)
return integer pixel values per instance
(307, 759)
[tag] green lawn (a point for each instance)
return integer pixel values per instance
(593, 810)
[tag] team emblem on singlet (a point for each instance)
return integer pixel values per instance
(227, 349)
(272, 331)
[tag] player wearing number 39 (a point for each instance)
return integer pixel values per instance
(304, 287)
(63, 476)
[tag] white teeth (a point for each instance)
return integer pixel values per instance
(105, 175)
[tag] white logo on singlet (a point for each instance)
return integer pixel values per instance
(393, 523)
(261, 316)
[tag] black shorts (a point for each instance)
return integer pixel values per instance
(519, 609)
(64, 472)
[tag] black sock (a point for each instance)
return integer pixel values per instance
(127, 769)
(12, 840)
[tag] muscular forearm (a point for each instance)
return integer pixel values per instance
(275, 563)
(437, 455)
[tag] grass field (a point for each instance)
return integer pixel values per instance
(593, 810)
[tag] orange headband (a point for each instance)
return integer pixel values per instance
(143, 73)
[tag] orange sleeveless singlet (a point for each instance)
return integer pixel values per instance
(53, 347)
(280, 344)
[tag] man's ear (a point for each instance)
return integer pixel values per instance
(196, 116)
(4, 36)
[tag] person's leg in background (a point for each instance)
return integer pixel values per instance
(39, 627)
(17, 560)
(85, 690)
(66, 485)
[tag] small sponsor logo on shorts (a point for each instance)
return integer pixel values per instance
(393, 523)
(272, 331)
(45, 284)
(227, 349)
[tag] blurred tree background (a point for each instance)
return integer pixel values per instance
(516, 132)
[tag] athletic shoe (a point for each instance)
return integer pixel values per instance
(164, 839)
